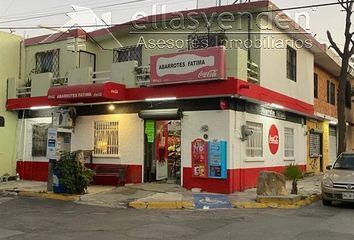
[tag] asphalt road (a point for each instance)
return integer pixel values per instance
(28, 218)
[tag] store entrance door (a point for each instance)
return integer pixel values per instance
(162, 150)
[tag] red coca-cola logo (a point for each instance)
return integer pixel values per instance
(273, 139)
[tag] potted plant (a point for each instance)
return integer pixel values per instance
(293, 172)
(73, 175)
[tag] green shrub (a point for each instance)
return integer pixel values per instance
(293, 172)
(72, 174)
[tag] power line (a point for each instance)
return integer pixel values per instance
(139, 1)
(61, 13)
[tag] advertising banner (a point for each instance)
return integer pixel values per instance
(188, 66)
(200, 158)
(217, 158)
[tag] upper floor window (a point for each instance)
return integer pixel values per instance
(39, 139)
(254, 144)
(331, 93)
(348, 95)
(2, 121)
(48, 61)
(315, 85)
(106, 138)
(132, 53)
(205, 40)
(291, 63)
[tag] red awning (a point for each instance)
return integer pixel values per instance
(88, 93)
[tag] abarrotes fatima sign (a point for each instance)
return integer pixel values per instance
(188, 66)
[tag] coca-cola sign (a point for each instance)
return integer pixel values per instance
(188, 66)
(273, 139)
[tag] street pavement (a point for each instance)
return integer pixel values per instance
(33, 218)
(151, 195)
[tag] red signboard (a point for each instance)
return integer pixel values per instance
(87, 92)
(273, 139)
(188, 66)
(200, 158)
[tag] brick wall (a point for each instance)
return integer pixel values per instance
(321, 104)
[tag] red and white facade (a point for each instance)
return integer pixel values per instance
(199, 85)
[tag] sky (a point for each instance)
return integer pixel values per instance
(12, 11)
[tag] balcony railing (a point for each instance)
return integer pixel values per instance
(252, 71)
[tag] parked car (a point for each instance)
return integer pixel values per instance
(338, 182)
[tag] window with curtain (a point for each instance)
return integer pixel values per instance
(39, 139)
(289, 148)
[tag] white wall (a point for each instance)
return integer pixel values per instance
(131, 139)
(273, 70)
(219, 128)
(24, 136)
(130, 142)
(268, 159)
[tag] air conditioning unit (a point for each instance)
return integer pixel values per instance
(64, 118)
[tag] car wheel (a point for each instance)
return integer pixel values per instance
(326, 202)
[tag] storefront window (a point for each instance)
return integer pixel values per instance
(289, 142)
(106, 138)
(254, 144)
(39, 139)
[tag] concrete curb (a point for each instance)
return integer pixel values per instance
(53, 196)
(162, 205)
(255, 205)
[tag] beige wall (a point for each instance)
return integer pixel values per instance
(273, 69)
(9, 68)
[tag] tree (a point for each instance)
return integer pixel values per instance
(346, 55)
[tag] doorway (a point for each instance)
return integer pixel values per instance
(162, 160)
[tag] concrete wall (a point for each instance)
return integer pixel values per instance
(268, 159)
(273, 69)
(130, 141)
(10, 46)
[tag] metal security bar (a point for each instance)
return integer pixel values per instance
(48, 61)
(106, 137)
(289, 142)
(254, 144)
(133, 53)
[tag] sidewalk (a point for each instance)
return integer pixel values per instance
(163, 195)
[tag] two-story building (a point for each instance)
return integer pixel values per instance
(10, 46)
(322, 130)
(204, 107)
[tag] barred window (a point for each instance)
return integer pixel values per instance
(289, 142)
(132, 53)
(106, 138)
(48, 61)
(254, 144)
(39, 139)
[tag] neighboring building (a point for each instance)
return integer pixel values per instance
(130, 106)
(10, 46)
(322, 127)
(350, 120)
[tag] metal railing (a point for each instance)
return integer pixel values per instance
(22, 92)
(101, 76)
(252, 71)
(143, 76)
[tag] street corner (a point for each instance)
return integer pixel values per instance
(48, 195)
(309, 200)
(278, 203)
